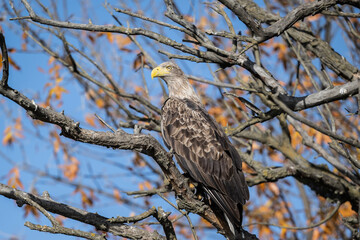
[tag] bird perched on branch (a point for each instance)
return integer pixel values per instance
(202, 148)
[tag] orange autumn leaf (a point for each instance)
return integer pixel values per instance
(337, 83)
(274, 188)
(51, 60)
(60, 219)
(30, 209)
(57, 91)
(14, 180)
(222, 120)
(90, 120)
(85, 200)
(205, 222)
(188, 18)
(40, 69)
(138, 160)
(261, 187)
(275, 155)
(139, 61)
(138, 89)
(117, 196)
(185, 232)
(264, 231)
(57, 141)
(122, 41)
(58, 79)
(296, 138)
(24, 46)
(283, 233)
(203, 22)
(13, 132)
(147, 184)
(221, 76)
(100, 103)
(91, 38)
(307, 82)
(322, 138)
(13, 64)
(316, 234)
(55, 70)
(282, 50)
(18, 125)
(71, 169)
(345, 210)
(8, 136)
(110, 37)
(255, 146)
(314, 18)
(215, 111)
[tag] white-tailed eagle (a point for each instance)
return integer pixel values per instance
(201, 146)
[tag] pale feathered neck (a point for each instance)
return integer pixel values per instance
(181, 89)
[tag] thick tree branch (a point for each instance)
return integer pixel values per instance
(282, 24)
(320, 48)
(94, 219)
(317, 177)
(244, 16)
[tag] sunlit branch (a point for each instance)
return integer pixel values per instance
(320, 48)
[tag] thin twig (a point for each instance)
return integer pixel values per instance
(5, 61)
(133, 219)
(151, 20)
(105, 123)
(183, 213)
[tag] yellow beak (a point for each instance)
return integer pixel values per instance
(159, 72)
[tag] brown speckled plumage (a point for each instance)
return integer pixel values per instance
(201, 147)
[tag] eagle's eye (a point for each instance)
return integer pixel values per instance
(169, 68)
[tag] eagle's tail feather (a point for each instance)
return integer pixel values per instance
(228, 212)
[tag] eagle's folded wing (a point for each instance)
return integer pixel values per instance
(204, 151)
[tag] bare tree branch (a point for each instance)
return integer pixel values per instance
(94, 219)
(5, 61)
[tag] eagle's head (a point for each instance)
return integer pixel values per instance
(168, 71)
(176, 80)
